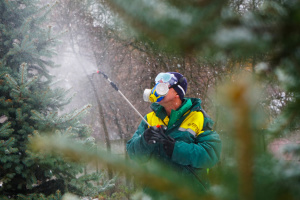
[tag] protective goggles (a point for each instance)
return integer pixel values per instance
(166, 78)
(169, 79)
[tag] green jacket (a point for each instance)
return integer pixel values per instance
(197, 147)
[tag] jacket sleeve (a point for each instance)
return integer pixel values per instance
(204, 153)
(137, 147)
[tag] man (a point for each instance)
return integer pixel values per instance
(187, 141)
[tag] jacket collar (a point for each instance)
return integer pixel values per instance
(187, 104)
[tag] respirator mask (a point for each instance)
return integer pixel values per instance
(163, 82)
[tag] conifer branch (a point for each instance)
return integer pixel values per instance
(31, 81)
(12, 81)
(79, 113)
(69, 129)
(5, 129)
(36, 114)
(5, 126)
(23, 68)
(238, 100)
(2, 74)
(26, 24)
(155, 176)
(49, 33)
(16, 91)
(9, 141)
(284, 124)
(19, 114)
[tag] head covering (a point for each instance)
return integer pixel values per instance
(182, 86)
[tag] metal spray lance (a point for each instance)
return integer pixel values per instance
(117, 89)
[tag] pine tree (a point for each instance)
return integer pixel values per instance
(30, 104)
(263, 33)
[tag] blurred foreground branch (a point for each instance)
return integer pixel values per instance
(154, 176)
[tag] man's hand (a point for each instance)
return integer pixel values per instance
(153, 135)
(169, 146)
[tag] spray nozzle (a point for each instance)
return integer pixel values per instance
(116, 88)
(105, 76)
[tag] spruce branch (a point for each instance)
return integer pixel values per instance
(30, 82)
(239, 98)
(68, 131)
(23, 69)
(241, 108)
(19, 114)
(83, 110)
(2, 74)
(18, 92)
(282, 124)
(12, 81)
(25, 25)
(37, 115)
(155, 176)
(5, 130)
(9, 142)
(49, 33)
(27, 46)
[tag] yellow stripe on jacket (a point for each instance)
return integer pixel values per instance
(193, 123)
(153, 120)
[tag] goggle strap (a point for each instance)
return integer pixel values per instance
(181, 89)
(177, 84)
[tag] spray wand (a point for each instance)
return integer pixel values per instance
(117, 89)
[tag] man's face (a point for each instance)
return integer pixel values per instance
(169, 98)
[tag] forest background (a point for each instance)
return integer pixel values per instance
(210, 43)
